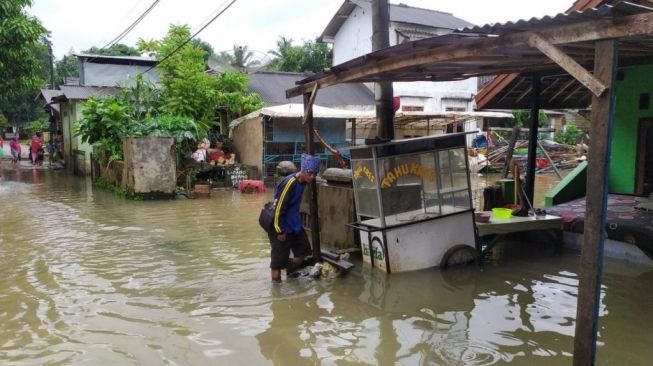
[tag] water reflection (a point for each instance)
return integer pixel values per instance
(89, 278)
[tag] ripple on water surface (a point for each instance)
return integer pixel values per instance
(89, 278)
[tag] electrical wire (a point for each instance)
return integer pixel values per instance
(193, 36)
(124, 33)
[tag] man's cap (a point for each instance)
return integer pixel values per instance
(310, 164)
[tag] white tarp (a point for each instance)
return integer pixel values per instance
(295, 110)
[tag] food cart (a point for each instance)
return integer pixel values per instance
(413, 203)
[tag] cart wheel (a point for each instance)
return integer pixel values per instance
(457, 255)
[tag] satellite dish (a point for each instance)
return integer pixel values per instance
(244, 60)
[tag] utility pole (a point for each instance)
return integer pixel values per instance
(383, 92)
(51, 67)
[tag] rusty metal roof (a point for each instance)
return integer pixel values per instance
(503, 49)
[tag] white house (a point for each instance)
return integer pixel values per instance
(350, 31)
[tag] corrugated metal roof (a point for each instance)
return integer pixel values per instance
(432, 18)
(48, 94)
(271, 86)
(524, 59)
(145, 59)
(76, 92)
(296, 110)
(398, 13)
(621, 8)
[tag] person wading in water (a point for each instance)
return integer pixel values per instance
(288, 233)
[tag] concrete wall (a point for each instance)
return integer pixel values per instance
(150, 165)
(248, 142)
(623, 158)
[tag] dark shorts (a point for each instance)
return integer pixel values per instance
(298, 243)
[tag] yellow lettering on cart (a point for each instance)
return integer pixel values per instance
(362, 169)
(404, 169)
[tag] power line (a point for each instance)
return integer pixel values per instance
(122, 35)
(193, 36)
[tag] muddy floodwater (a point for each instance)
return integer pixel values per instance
(92, 279)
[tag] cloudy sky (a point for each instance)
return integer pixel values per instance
(81, 24)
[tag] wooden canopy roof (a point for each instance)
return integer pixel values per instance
(536, 46)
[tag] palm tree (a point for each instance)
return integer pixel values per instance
(240, 58)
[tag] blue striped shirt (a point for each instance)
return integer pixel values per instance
(289, 197)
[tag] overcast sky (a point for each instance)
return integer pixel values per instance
(81, 24)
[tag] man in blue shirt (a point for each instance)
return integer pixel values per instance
(288, 233)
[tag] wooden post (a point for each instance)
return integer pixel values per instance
(591, 257)
(353, 132)
(511, 150)
(310, 149)
(383, 91)
(532, 139)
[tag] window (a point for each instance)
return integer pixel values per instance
(412, 108)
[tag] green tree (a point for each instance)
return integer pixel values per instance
(19, 33)
(208, 49)
(20, 108)
(187, 90)
(523, 118)
(240, 58)
(65, 68)
(117, 49)
(310, 56)
(190, 92)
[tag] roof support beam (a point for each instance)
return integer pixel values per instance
(567, 63)
(561, 90)
(592, 30)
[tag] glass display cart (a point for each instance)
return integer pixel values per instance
(413, 202)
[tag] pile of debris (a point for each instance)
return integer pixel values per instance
(548, 153)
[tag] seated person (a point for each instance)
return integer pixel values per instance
(200, 154)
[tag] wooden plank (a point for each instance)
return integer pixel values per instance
(511, 150)
(625, 26)
(561, 90)
(553, 164)
(308, 107)
(567, 63)
(310, 149)
(491, 90)
(589, 286)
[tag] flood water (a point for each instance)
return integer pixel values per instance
(91, 279)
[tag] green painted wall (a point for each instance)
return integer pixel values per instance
(623, 159)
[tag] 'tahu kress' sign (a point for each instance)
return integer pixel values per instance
(391, 176)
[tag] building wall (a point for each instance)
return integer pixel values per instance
(292, 130)
(623, 158)
(248, 143)
(355, 39)
(115, 75)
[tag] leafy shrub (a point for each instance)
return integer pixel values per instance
(571, 135)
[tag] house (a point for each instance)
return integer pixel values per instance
(350, 32)
(99, 77)
(275, 132)
(631, 163)
(272, 85)
(270, 135)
